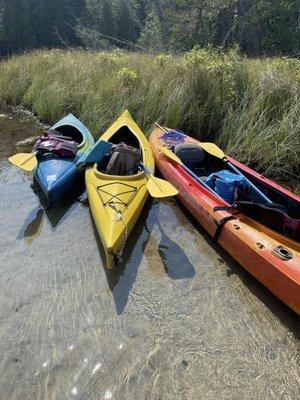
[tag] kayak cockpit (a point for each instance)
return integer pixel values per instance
(126, 136)
(124, 157)
(72, 132)
(205, 165)
(241, 190)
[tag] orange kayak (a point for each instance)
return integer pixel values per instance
(264, 240)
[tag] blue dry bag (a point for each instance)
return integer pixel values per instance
(225, 183)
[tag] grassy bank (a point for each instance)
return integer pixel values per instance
(250, 107)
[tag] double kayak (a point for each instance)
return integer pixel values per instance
(56, 175)
(262, 236)
(116, 186)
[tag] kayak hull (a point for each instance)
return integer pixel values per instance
(117, 201)
(56, 176)
(247, 241)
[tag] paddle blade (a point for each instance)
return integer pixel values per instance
(159, 188)
(212, 149)
(25, 161)
(170, 154)
(96, 154)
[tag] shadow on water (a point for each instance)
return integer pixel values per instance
(175, 261)
(122, 277)
(286, 316)
(32, 226)
(58, 214)
(33, 223)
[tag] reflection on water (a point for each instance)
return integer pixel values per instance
(170, 322)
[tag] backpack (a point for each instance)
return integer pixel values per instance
(124, 160)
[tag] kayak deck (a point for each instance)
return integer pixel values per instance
(116, 201)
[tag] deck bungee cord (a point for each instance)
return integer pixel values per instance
(112, 203)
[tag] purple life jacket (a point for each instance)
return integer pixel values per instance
(57, 144)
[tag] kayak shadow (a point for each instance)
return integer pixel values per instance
(286, 316)
(59, 213)
(175, 261)
(122, 277)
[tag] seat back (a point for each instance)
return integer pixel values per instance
(192, 155)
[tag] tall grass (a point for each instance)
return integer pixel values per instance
(250, 107)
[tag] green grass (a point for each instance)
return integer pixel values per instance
(250, 107)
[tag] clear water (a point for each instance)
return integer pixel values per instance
(177, 320)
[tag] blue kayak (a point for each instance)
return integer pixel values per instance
(56, 175)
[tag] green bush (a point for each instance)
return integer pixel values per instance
(248, 106)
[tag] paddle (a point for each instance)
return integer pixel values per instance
(96, 153)
(210, 148)
(158, 188)
(215, 151)
(25, 161)
(173, 157)
(28, 161)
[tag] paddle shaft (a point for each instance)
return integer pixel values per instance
(147, 170)
(160, 127)
(261, 195)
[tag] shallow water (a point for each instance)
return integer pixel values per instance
(177, 320)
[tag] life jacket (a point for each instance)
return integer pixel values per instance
(55, 143)
(124, 160)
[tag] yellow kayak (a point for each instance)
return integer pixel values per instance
(116, 200)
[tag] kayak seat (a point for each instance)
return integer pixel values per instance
(124, 160)
(192, 155)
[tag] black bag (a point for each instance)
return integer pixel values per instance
(272, 216)
(124, 160)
